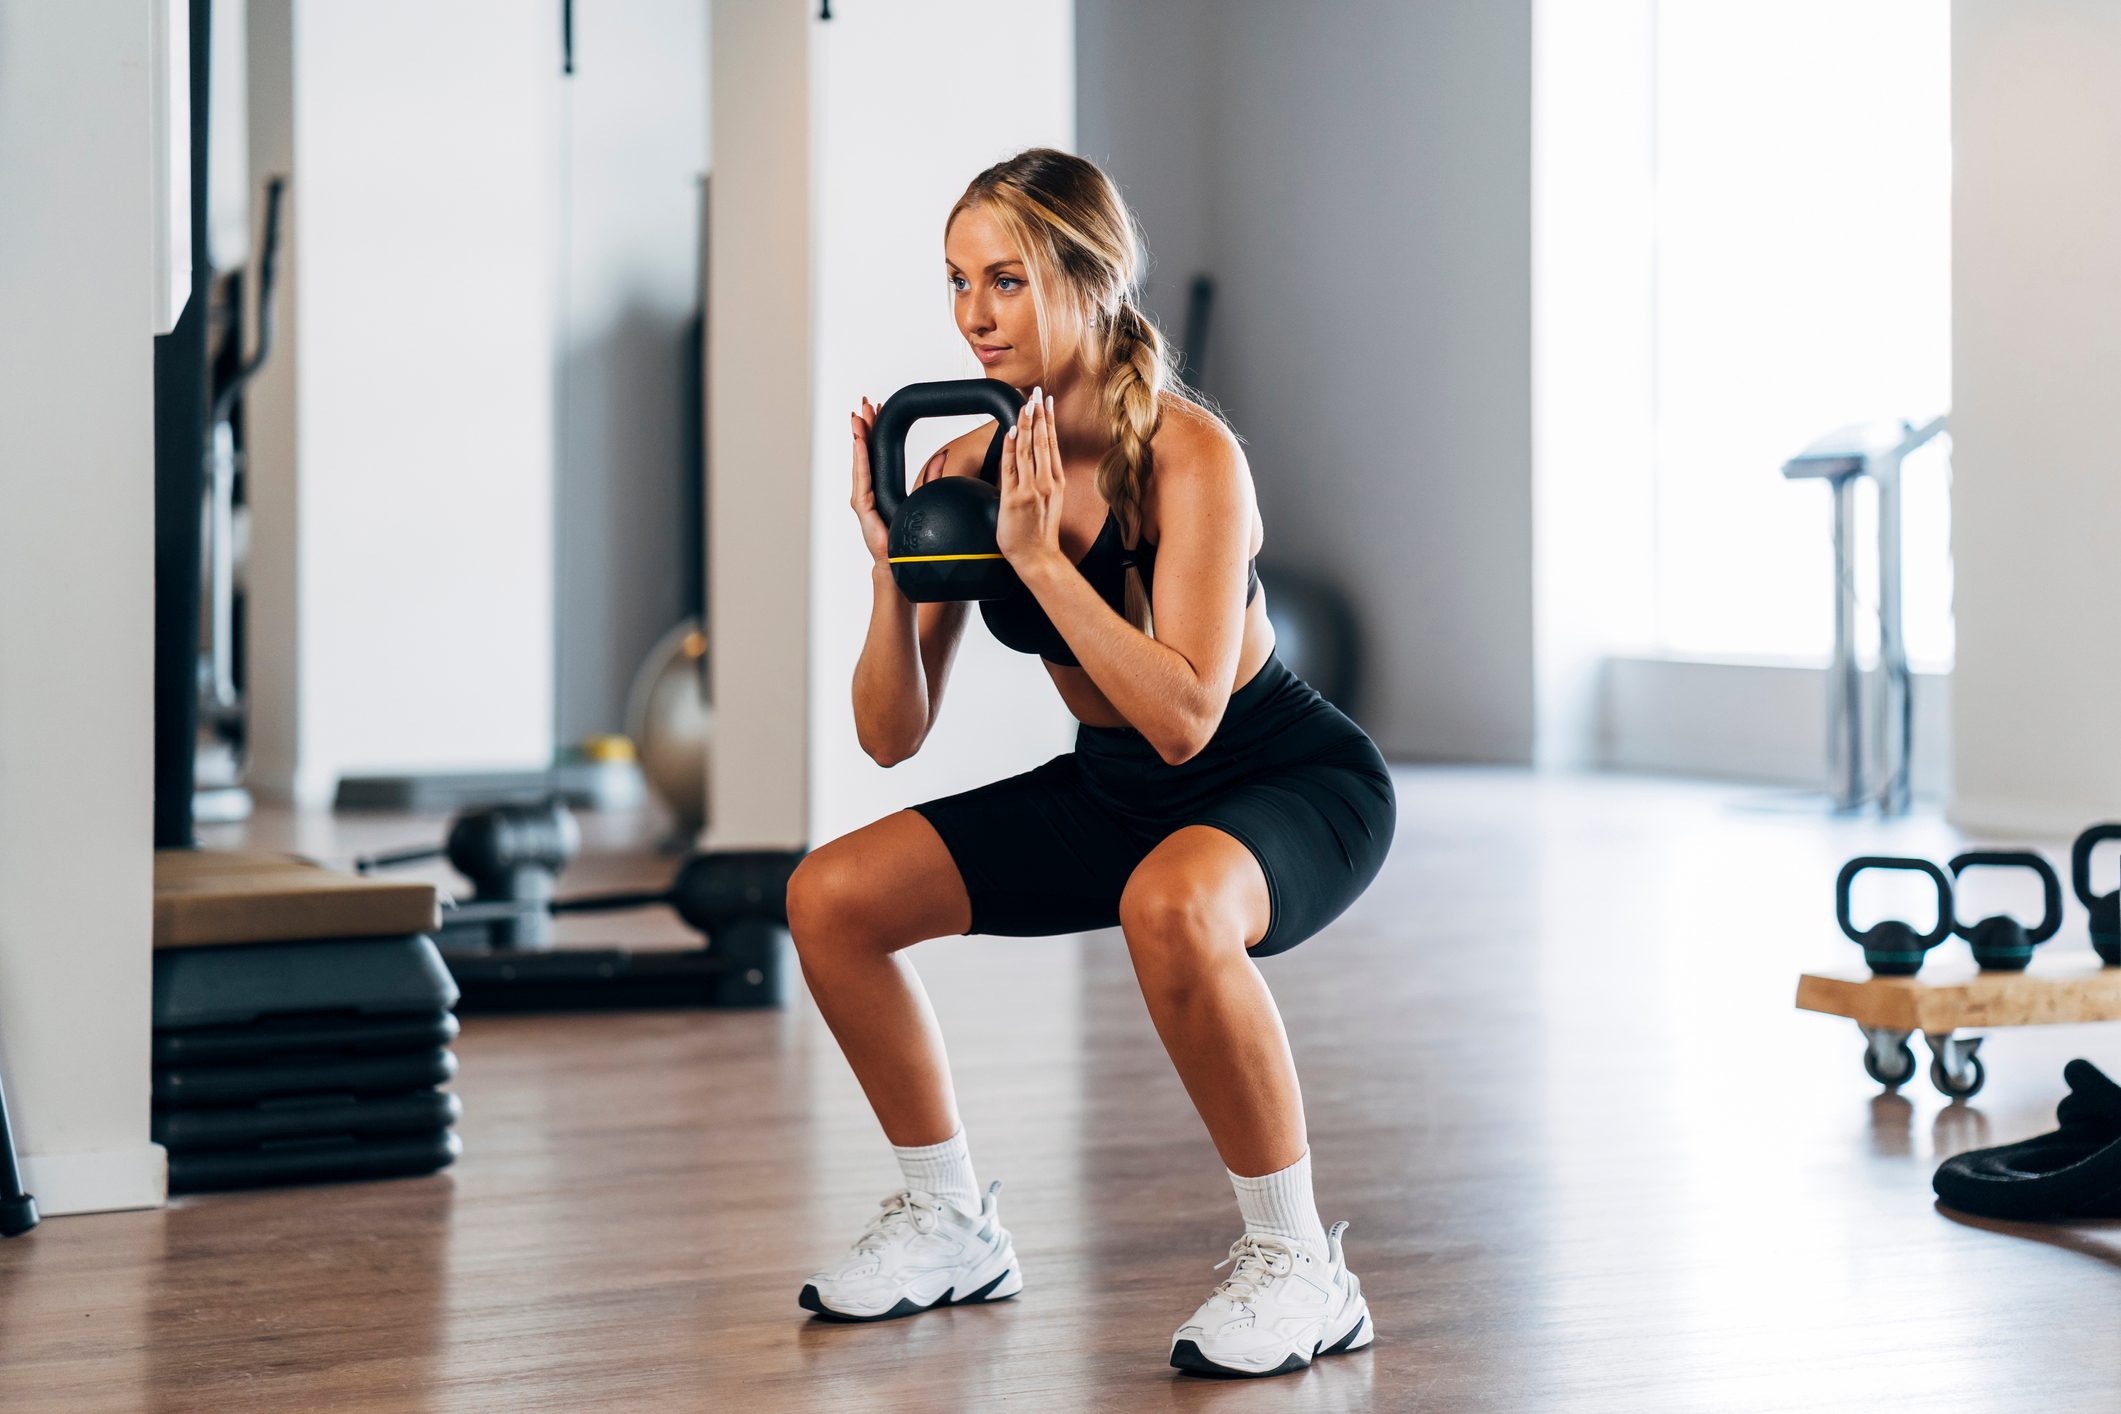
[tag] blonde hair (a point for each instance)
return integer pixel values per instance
(1083, 251)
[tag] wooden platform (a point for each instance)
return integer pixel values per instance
(1951, 998)
(205, 897)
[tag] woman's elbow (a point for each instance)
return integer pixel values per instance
(888, 754)
(1188, 740)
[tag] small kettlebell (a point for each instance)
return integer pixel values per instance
(2105, 908)
(1891, 947)
(943, 546)
(2002, 943)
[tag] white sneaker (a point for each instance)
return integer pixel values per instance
(1280, 1306)
(918, 1253)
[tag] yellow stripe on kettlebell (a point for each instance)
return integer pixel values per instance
(925, 559)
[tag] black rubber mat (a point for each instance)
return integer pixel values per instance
(2074, 1172)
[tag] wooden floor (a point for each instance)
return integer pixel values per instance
(1593, 1158)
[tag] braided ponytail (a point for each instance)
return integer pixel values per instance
(1135, 370)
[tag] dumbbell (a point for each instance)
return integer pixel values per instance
(513, 855)
(2002, 943)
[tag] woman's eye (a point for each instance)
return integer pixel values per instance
(1008, 282)
(957, 282)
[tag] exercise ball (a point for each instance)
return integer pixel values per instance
(1314, 632)
(671, 723)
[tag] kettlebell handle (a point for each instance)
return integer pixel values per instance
(2080, 861)
(1856, 866)
(951, 397)
(2050, 887)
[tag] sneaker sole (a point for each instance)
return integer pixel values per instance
(809, 1300)
(1186, 1356)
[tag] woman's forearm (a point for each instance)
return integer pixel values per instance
(890, 690)
(1151, 684)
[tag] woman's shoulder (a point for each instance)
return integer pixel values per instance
(1192, 442)
(1195, 452)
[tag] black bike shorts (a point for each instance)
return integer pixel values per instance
(1287, 775)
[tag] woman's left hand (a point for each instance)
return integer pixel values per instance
(1033, 485)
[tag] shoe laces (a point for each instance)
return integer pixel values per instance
(901, 1210)
(1259, 1260)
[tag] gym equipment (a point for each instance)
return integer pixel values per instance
(1947, 1002)
(499, 948)
(672, 725)
(1314, 632)
(2002, 943)
(1193, 343)
(513, 854)
(18, 1210)
(1841, 459)
(212, 897)
(943, 545)
(219, 797)
(181, 450)
(1891, 947)
(2105, 908)
(303, 1062)
(2074, 1172)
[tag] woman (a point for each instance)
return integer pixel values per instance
(1215, 807)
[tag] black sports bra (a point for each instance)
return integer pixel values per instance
(1019, 622)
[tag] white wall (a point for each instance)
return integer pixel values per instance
(2036, 516)
(1593, 359)
(1368, 223)
(413, 467)
(77, 597)
(635, 147)
(827, 285)
(1145, 86)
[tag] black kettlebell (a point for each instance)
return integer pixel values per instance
(2002, 943)
(2105, 908)
(1891, 947)
(943, 544)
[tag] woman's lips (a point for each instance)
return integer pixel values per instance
(990, 353)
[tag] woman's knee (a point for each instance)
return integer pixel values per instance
(1178, 930)
(829, 903)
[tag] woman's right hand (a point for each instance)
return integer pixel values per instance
(875, 533)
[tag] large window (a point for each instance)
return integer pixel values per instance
(1802, 275)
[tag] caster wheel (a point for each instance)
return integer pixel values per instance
(1974, 1081)
(1897, 1078)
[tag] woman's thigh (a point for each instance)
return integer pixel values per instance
(1320, 834)
(889, 884)
(1037, 854)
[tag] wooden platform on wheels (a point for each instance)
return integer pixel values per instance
(1956, 998)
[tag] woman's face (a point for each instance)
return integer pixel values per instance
(990, 295)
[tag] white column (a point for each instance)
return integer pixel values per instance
(2036, 504)
(402, 481)
(78, 279)
(840, 146)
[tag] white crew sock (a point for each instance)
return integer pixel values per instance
(944, 1170)
(1279, 1204)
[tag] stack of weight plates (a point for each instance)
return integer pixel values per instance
(303, 1062)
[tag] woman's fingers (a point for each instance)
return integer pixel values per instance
(1049, 447)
